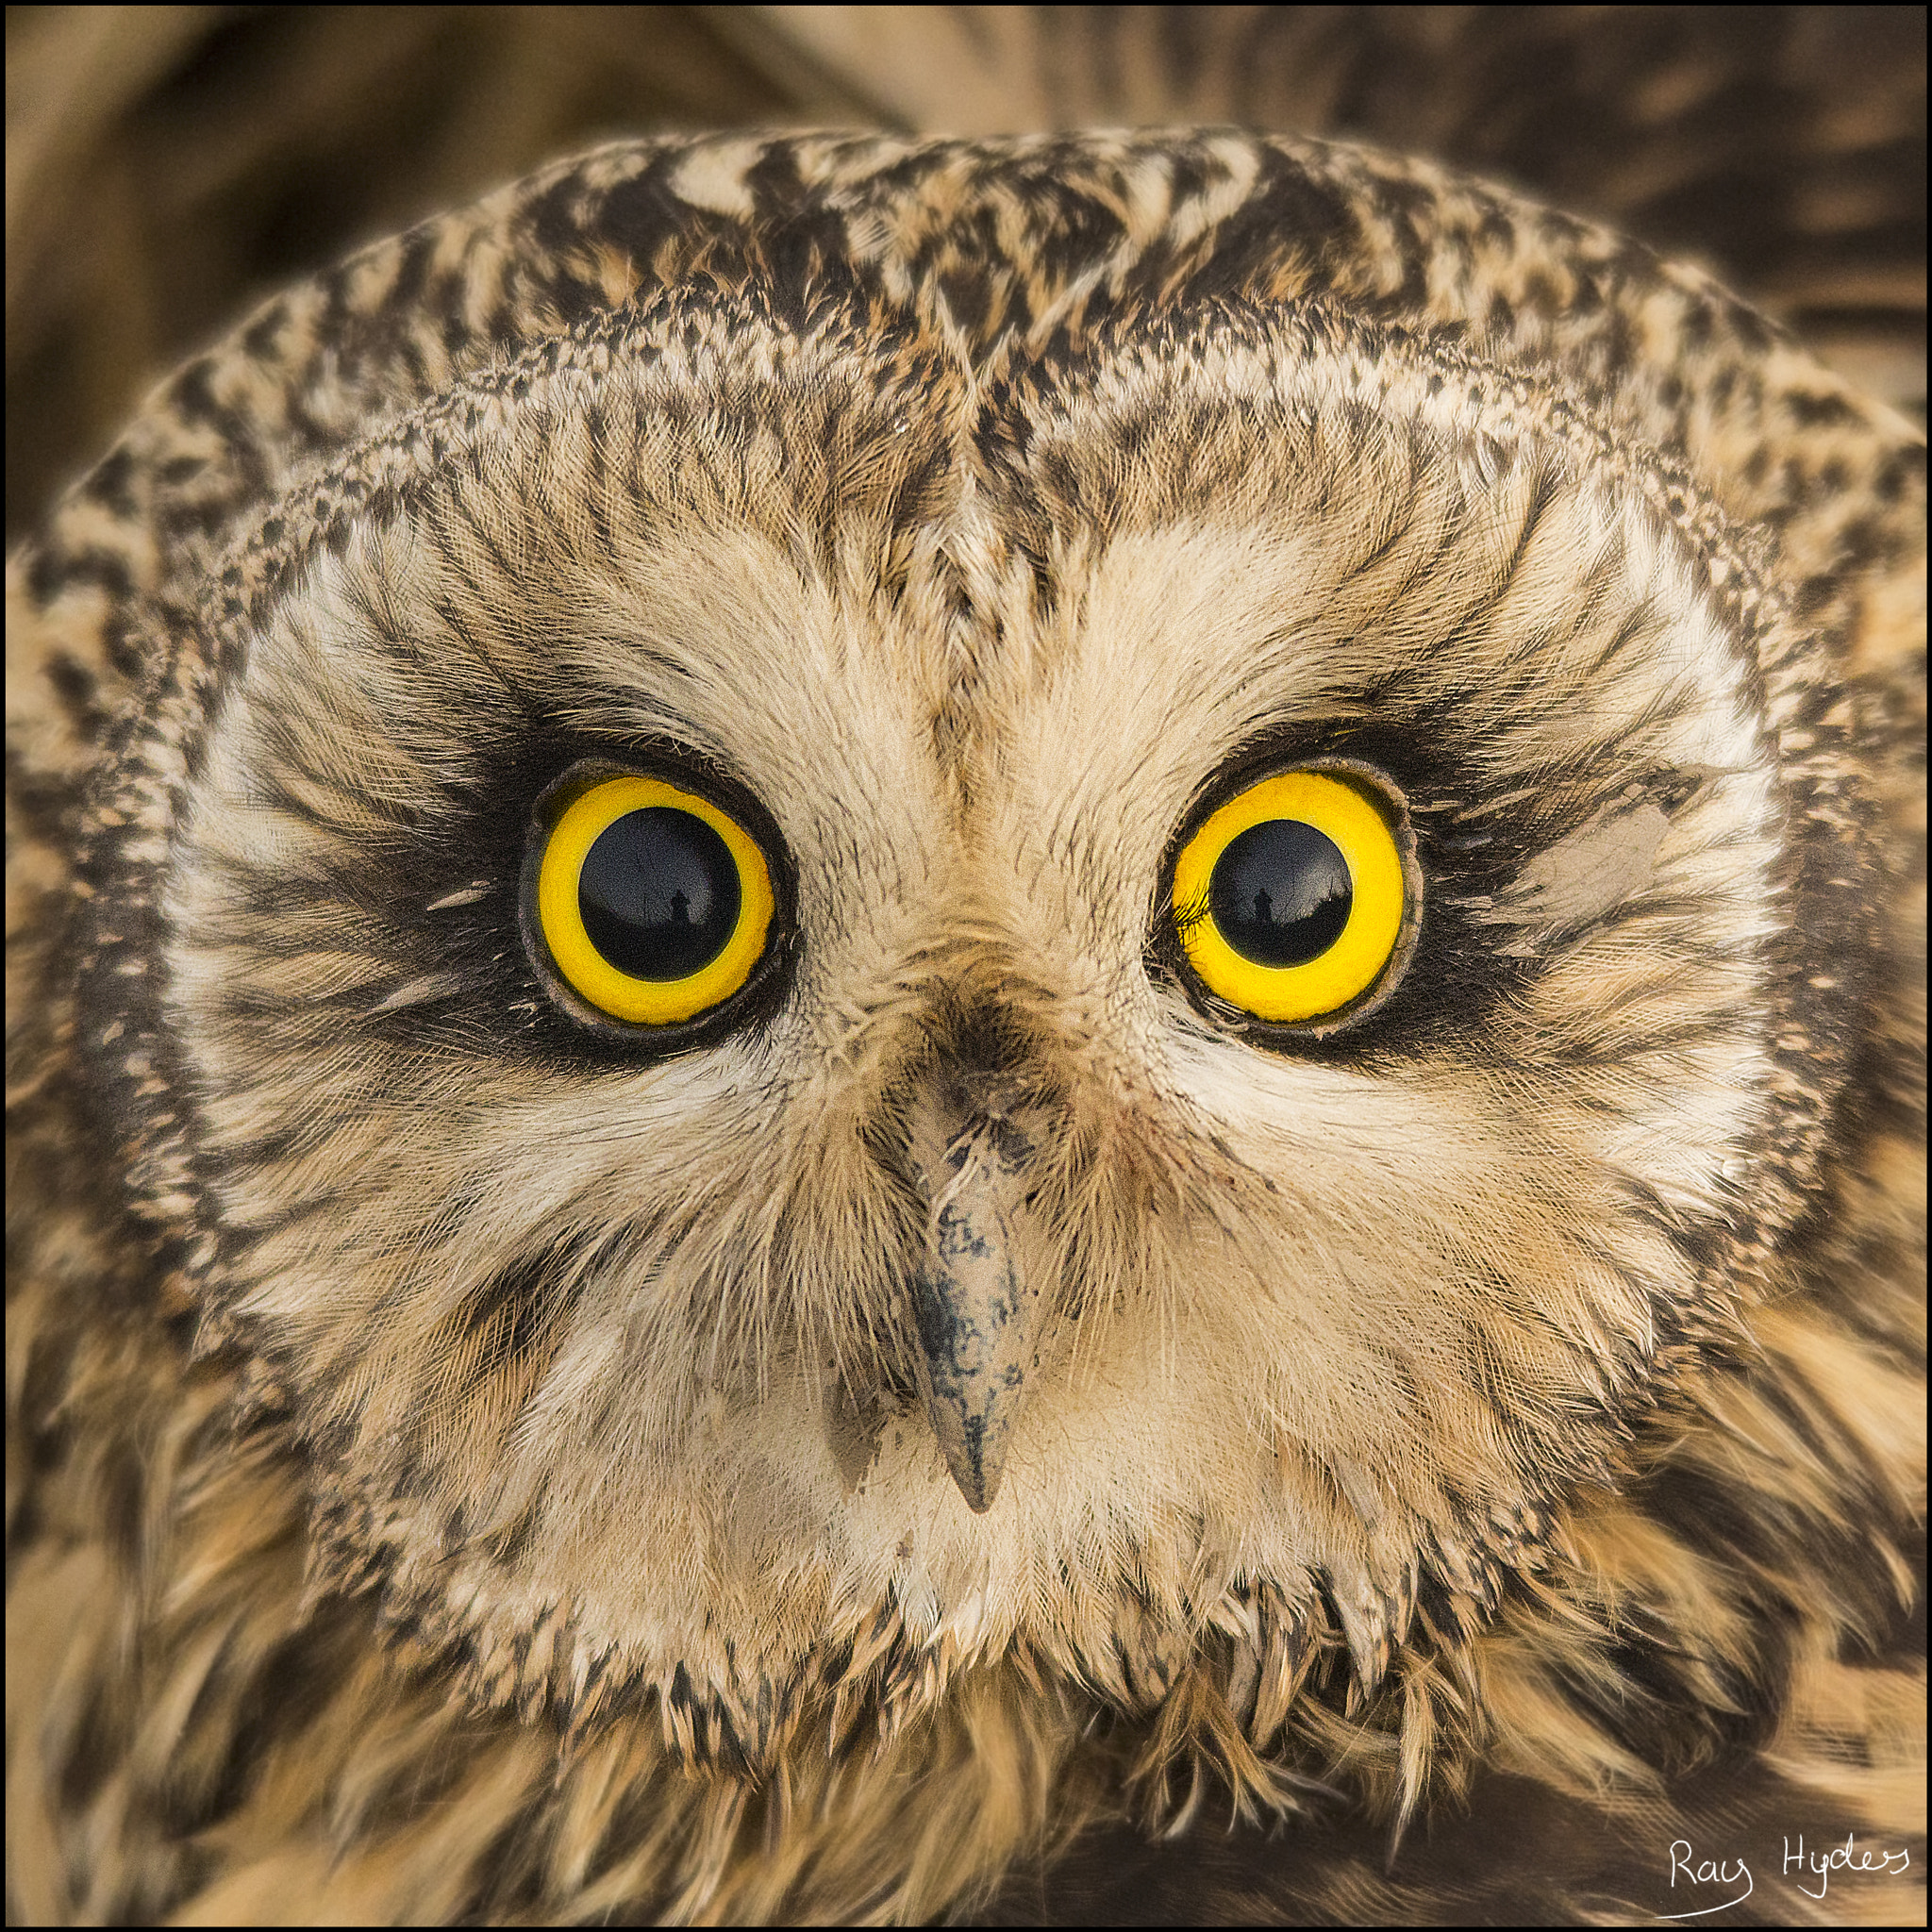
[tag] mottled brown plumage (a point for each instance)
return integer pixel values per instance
(478, 1468)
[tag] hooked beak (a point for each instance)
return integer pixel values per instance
(975, 1310)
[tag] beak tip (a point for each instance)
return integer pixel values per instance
(980, 1504)
(975, 1477)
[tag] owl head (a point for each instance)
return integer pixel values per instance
(881, 907)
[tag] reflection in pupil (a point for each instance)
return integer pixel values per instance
(1281, 892)
(658, 893)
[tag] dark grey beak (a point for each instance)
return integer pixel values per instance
(975, 1310)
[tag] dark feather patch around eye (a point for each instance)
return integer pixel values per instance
(1476, 844)
(435, 900)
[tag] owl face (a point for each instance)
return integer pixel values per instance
(1043, 1230)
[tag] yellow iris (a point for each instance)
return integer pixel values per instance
(655, 904)
(1288, 901)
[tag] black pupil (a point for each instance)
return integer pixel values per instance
(1280, 893)
(658, 893)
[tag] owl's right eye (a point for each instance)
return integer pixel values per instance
(654, 903)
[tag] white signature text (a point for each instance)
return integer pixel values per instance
(1819, 1864)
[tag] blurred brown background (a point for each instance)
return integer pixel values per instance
(169, 165)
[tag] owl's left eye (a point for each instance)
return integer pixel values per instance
(1291, 899)
(654, 903)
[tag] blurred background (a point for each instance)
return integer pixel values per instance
(168, 166)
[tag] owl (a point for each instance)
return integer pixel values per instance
(879, 1007)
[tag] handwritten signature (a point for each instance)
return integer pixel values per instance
(1849, 1856)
